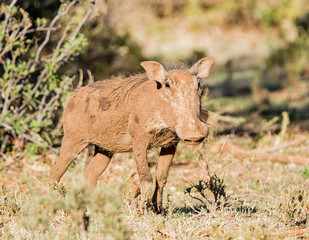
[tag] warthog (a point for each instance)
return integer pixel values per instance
(143, 111)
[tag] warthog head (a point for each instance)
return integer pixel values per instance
(180, 89)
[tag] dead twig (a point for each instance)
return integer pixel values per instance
(222, 147)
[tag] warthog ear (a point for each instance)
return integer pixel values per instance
(155, 71)
(201, 68)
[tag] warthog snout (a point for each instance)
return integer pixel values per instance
(195, 138)
(192, 134)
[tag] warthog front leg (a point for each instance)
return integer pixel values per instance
(146, 182)
(163, 166)
(97, 166)
(70, 148)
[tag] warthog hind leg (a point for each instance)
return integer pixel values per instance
(97, 166)
(69, 151)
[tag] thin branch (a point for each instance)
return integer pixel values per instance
(16, 34)
(6, 98)
(64, 34)
(47, 106)
(41, 29)
(198, 199)
(92, 4)
(40, 79)
(222, 147)
(27, 24)
(7, 16)
(4, 143)
(56, 18)
(43, 102)
(26, 136)
(35, 178)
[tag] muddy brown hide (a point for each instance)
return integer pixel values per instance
(155, 109)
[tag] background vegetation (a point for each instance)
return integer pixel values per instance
(250, 181)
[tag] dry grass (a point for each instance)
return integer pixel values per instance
(29, 210)
(263, 199)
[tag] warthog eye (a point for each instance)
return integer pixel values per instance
(200, 90)
(168, 82)
(159, 85)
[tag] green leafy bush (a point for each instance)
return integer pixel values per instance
(33, 82)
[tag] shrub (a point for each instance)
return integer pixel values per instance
(33, 81)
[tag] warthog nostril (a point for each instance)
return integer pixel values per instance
(193, 140)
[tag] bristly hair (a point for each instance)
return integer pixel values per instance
(176, 66)
(121, 88)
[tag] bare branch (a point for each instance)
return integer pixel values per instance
(64, 34)
(4, 143)
(40, 79)
(7, 95)
(92, 4)
(16, 34)
(43, 101)
(41, 29)
(47, 106)
(56, 18)
(7, 16)
(26, 136)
